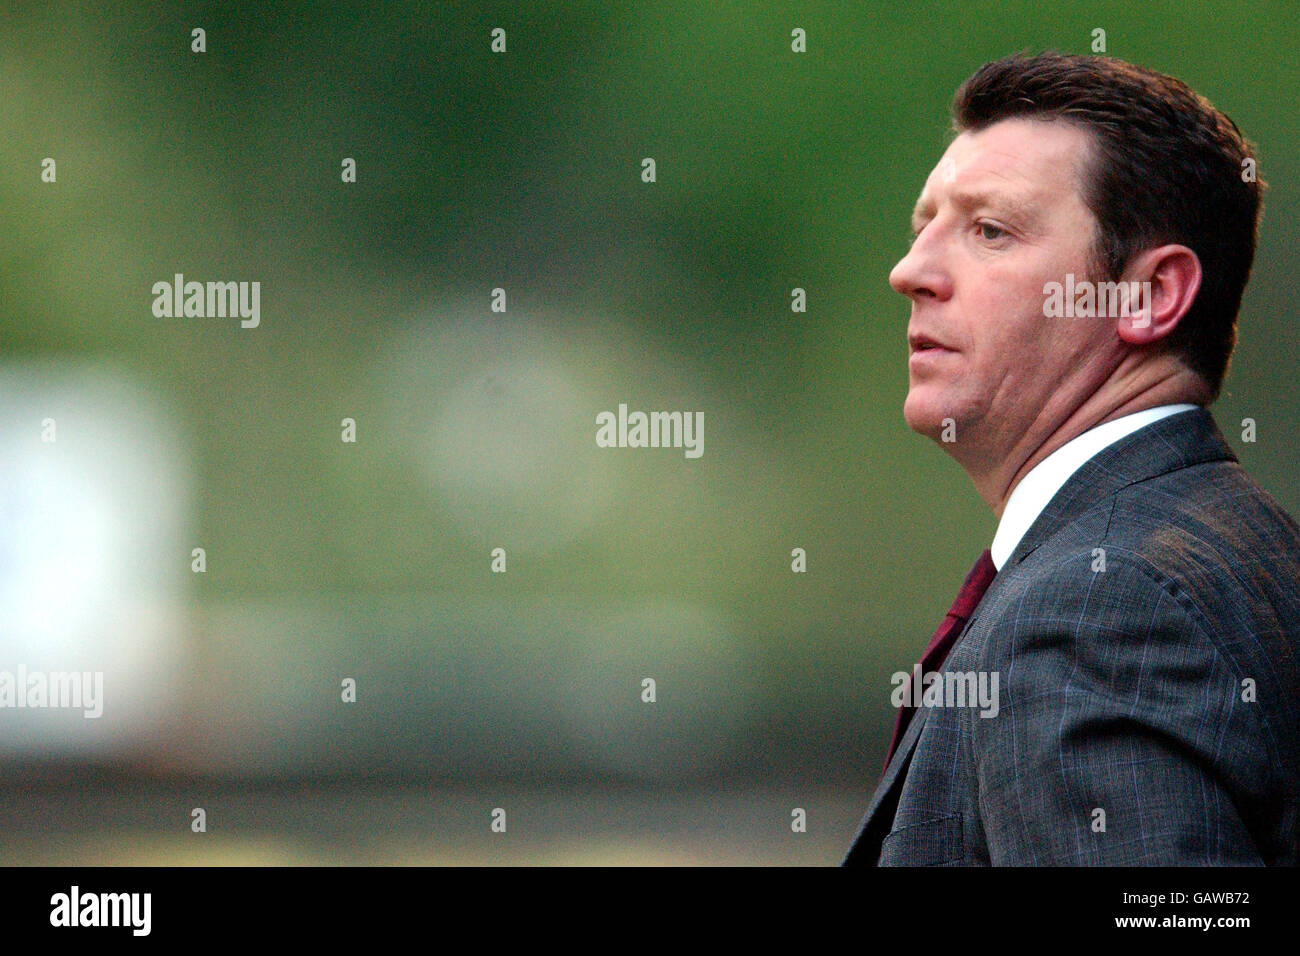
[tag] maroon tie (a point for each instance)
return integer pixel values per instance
(977, 582)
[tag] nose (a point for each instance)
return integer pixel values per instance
(922, 271)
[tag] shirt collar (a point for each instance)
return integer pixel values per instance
(1045, 479)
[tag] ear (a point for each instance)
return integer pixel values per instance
(1168, 278)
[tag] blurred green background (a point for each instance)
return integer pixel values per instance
(475, 429)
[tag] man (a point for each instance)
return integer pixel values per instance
(1138, 613)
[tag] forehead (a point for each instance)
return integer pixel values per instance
(1032, 164)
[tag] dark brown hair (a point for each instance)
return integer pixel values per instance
(1167, 167)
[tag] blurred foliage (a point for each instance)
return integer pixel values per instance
(522, 171)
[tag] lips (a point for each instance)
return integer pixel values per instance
(924, 343)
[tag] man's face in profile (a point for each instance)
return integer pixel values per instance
(1001, 215)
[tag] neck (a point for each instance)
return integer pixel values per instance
(1127, 392)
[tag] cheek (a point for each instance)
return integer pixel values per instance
(1022, 301)
(1007, 325)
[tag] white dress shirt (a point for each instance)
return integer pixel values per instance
(1045, 479)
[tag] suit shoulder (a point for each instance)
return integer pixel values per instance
(1213, 511)
(1201, 562)
(1217, 541)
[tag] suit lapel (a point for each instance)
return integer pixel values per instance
(902, 757)
(865, 848)
(878, 819)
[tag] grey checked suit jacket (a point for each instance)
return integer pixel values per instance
(1149, 713)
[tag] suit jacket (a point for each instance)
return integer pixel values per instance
(1146, 637)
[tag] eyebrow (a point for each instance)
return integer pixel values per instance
(1019, 210)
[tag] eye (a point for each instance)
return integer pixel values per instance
(985, 228)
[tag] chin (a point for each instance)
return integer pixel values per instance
(921, 417)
